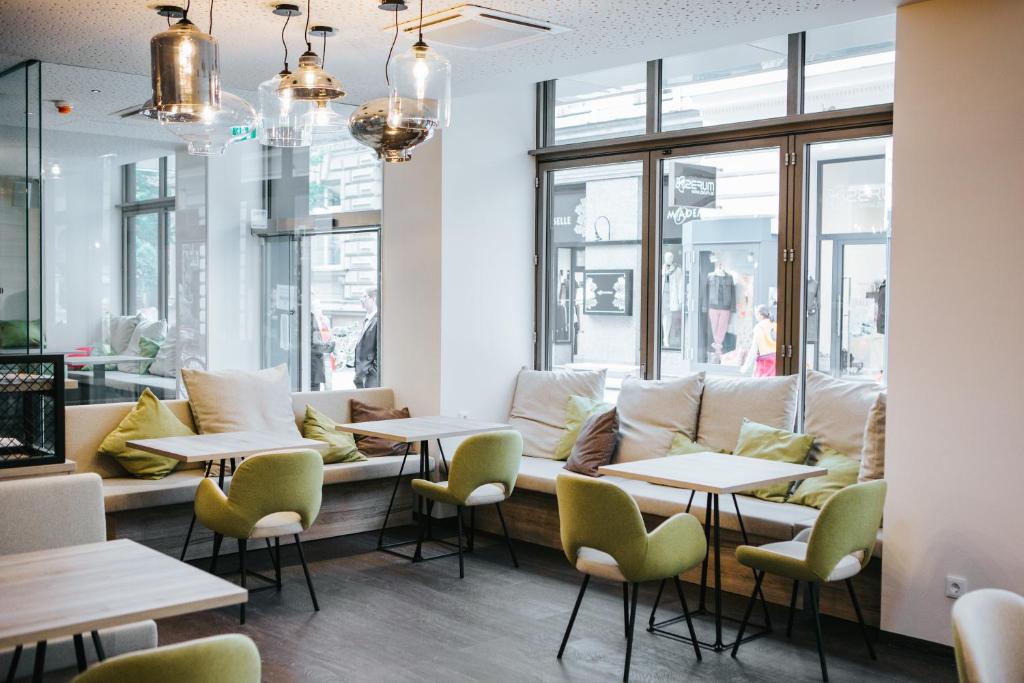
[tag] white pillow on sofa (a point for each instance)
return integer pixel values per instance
(538, 406)
(150, 329)
(728, 400)
(240, 401)
(119, 331)
(652, 412)
(836, 411)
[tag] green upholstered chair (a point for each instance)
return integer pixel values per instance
(271, 495)
(837, 548)
(988, 629)
(603, 535)
(483, 472)
(229, 658)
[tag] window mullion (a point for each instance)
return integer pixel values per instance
(654, 96)
(795, 76)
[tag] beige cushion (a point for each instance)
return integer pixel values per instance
(277, 524)
(538, 406)
(384, 466)
(847, 567)
(129, 493)
(836, 411)
(240, 401)
(651, 412)
(598, 563)
(726, 401)
(51, 512)
(872, 460)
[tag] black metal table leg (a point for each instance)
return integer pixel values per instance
(746, 541)
(80, 652)
(12, 670)
(37, 668)
(391, 503)
(98, 644)
(425, 474)
(718, 578)
(220, 474)
(444, 461)
(192, 524)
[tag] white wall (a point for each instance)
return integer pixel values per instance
(458, 242)
(955, 462)
(233, 271)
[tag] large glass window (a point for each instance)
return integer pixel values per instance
(718, 280)
(738, 83)
(148, 209)
(595, 269)
(343, 176)
(601, 104)
(850, 65)
(848, 212)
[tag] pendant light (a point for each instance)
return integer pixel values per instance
(423, 81)
(382, 124)
(310, 83)
(282, 119)
(326, 124)
(185, 68)
(234, 121)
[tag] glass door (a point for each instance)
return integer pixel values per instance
(718, 274)
(280, 310)
(595, 235)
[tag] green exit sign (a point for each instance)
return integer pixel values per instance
(243, 132)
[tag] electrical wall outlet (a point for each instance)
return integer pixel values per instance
(955, 586)
(463, 415)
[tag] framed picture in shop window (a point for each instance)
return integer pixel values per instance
(608, 292)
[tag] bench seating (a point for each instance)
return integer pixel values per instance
(157, 512)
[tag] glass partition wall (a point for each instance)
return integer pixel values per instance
(750, 239)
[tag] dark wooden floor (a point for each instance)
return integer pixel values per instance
(385, 619)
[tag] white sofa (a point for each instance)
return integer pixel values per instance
(53, 512)
(355, 494)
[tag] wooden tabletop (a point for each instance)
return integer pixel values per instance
(48, 594)
(712, 472)
(222, 446)
(410, 429)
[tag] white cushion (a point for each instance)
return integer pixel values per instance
(538, 406)
(120, 332)
(240, 401)
(836, 410)
(598, 563)
(727, 400)
(166, 362)
(847, 567)
(277, 524)
(487, 494)
(151, 329)
(651, 412)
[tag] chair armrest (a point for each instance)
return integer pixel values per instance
(215, 512)
(435, 491)
(677, 545)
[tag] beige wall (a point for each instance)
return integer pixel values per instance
(955, 462)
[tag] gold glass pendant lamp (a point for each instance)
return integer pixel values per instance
(310, 82)
(184, 62)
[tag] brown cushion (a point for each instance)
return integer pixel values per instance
(595, 444)
(372, 446)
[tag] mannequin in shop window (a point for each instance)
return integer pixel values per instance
(671, 301)
(761, 354)
(720, 303)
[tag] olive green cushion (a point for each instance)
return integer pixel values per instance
(684, 445)
(768, 443)
(148, 348)
(319, 427)
(149, 419)
(842, 472)
(577, 410)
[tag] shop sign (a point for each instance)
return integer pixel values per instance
(694, 185)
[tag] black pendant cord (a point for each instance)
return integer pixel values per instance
(285, 42)
(305, 33)
(188, 6)
(210, 30)
(421, 21)
(323, 52)
(387, 64)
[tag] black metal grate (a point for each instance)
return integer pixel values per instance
(31, 410)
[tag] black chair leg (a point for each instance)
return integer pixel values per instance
(418, 555)
(217, 540)
(815, 609)
(13, 668)
(508, 539)
(746, 615)
(277, 561)
(305, 570)
(625, 609)
(860, 619)
(689, 622)
(792, 609)
(241, 564)
(575, 610)
(629, 635)
(458, 517)
(471, 539)
(654, 610)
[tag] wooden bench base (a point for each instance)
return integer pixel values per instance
(533, 517)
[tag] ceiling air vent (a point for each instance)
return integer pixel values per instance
(473, 27)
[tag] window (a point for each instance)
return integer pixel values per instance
(738, 83)
(344, 177)
(601, 104)
(148, 212)
(850, 65)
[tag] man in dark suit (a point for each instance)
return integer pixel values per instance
(367, 371)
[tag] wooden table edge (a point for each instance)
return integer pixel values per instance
(717, 490)
(190, 459)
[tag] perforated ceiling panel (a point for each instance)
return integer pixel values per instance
(114, 35)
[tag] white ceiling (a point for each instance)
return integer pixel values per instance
(114, 35)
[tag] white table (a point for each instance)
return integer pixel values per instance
(70, 591)
(223, 447)
(410, 430)
(99, 363)
(713, 474)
